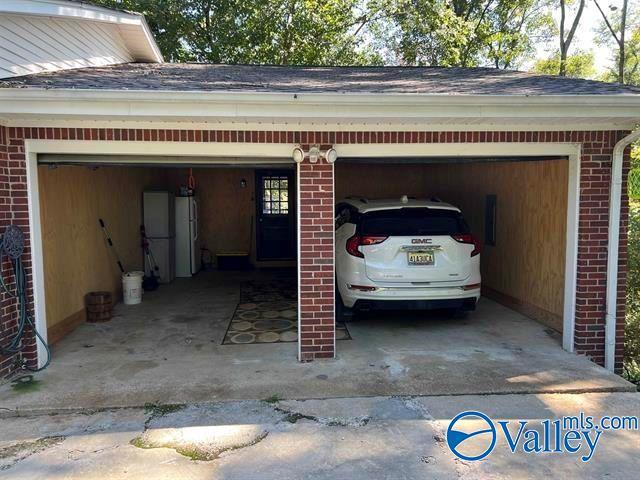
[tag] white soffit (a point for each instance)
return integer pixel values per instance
(49, 35)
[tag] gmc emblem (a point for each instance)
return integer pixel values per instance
(420, 240)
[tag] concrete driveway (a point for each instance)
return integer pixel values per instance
(355, 438)
(168, 350)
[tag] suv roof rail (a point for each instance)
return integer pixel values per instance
(360, 199)
(435, 199)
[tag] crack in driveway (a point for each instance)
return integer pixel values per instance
(13, 454)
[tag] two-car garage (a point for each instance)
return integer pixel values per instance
(515, 207)
(235, 329)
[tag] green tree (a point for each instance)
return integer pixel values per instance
(579, 65)
(295, 32)
(631, 64)
(632, 59)
(463, 33)
(567, 32)
(514, 27)
(615, 28)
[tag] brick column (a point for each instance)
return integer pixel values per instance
(316, 320)
(593, 234)
(7, 321)
(13, 210)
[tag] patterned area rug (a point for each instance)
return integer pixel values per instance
(268, 313)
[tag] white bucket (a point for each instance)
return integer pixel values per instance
(132, 287)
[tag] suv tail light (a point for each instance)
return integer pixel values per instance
(354, 242)
(468, 239)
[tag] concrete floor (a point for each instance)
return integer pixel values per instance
(168, 350)
(355, 438)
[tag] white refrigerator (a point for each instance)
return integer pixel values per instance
(159, 223)
(187, 251)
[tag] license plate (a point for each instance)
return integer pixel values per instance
(420, 258)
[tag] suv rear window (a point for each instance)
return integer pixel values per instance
(413, 221)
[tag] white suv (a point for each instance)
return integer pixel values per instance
(404, 253)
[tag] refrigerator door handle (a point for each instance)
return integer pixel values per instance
(195, 218)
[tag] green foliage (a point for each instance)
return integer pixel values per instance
(500, 33)
(631, 62)
(578, 65)
(632, 332)
(461, 33)
(611, 34)
(294, 32)
(634, 183)
(632, 328)
(275, 398)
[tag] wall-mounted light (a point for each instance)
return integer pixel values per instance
(314, 154)
(243, 183)
(297, 155)
(331, 155)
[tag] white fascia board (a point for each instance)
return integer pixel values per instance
(155, 55)
(623, 111)
(51, 8)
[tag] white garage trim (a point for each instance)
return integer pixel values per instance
(492, 150)
(281, 151)
(162, 149)
(37, 261)
(237, 152)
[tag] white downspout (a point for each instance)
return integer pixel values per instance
(615, 199)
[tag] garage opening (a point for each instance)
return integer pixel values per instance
(516, 209)
(220, 240)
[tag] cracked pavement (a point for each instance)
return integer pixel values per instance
(356, 438)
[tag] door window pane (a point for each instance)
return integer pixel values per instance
(276, 196)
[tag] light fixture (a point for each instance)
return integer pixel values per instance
(243, 183)
(314, 154)
(331, 155)
(297, 155)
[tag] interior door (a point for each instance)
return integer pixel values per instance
(275, 214)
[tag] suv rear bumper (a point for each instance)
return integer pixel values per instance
(398, 295)
(466, 304)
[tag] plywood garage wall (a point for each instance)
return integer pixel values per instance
(227, 210)
(525, 269)
(76, 257)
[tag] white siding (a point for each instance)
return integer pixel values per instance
(32, 44)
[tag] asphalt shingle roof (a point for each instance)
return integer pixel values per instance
(237, 78)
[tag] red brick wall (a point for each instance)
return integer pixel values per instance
(13, 210)
(595, 178)
(317, 280)
(316, 304)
